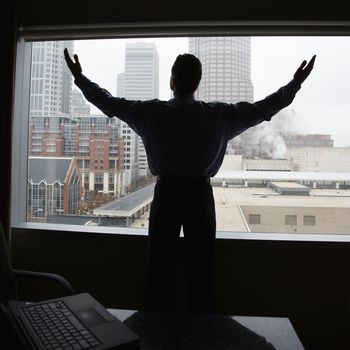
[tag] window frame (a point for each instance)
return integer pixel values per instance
(27, 35)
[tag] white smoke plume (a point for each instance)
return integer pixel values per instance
(266, 139)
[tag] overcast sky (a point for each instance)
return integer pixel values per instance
(322, 105)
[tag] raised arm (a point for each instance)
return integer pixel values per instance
(273, 103)
(246, 114)
(127, 110)
(98, 96)
(283, 97)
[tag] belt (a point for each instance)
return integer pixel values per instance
(184, 179)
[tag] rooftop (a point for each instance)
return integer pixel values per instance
(289, 188)
(285, 184)
(228, 203)
(128, 205)
(322, 198)
(49, 169)
(282, 175)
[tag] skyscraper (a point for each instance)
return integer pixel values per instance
(120, 85)
(226, 68)
(140, 82)
(51, 80)
(78, 105)
(66, 91)
(226, 76)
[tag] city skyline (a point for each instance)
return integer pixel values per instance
(80, 157)
(274, 61)
(108, 155)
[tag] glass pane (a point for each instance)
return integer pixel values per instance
(254, 219)
(309, 220)
(85, 168)
(291, 219)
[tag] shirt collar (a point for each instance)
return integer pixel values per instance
(182, 99)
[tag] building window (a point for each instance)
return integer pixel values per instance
(99, 178)
(254, 219)
(309, 220)
(290, 219)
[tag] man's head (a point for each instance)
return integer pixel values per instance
(186, 74)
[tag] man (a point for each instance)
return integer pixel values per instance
(185, 142)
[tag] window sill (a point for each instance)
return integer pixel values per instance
(249, 236)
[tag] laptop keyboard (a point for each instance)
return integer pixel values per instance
(58, 328)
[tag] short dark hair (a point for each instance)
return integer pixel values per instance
(186, 73)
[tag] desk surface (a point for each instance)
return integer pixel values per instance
(176, 331)
(159, 331)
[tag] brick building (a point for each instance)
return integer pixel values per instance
(93, 140)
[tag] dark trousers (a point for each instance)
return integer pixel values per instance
(187, 203)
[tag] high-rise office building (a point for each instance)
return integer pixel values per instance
(226, 75)
(66, 90)
(226, 71)
(120, 85)
(140, 81)
(78, 105)
(51, 80)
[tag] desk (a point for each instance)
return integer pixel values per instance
(159, 331)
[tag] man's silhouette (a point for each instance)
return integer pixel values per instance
(185, 142)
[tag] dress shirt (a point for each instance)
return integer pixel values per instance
(183, 136)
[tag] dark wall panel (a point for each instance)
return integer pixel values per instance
(253, 277)
(40, 12)
(304, 281)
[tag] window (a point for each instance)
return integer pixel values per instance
(290, 219)
(291, 150)
(309, 220)
(254, 219)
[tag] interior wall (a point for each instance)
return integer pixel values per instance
(7, 59)
(304, 281)
(38, 12)
(253, 276)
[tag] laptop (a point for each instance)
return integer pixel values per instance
(68, 323)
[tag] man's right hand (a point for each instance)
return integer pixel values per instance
(304, 70)
(74, 67)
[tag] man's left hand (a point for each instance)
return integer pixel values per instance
(74, 67)
(304, 70)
